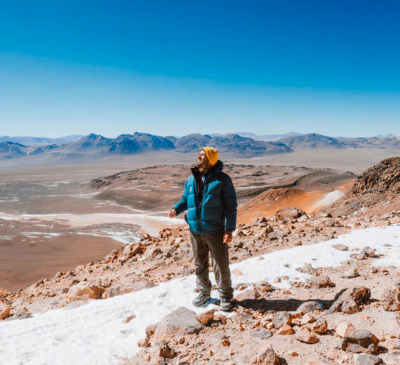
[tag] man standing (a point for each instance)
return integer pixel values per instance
(210, 199)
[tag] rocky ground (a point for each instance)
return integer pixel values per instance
(335, 314)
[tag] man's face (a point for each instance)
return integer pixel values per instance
(202, 161)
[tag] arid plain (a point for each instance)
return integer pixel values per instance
(54, 218)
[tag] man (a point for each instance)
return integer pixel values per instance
(210, 199)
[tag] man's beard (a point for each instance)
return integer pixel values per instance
(203, 168)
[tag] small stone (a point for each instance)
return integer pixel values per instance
(320, 282)
(360, 341)
(350, 274)
(344, 328)
(129, 318)
(307, 318)
(321, 326)
(305, 335)
(309, 307)
(350, 307)
(366, 359)
(282, 319)
(267, 356)
(164, 350)
(205, 318)
(5, 310)
(248, 295)
(225, 342)
(340, 247)
(237, 272)
(285, 330)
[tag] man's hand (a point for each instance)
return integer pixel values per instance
(227, 237)
(172, 213)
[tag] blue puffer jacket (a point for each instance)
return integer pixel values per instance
(218, 209)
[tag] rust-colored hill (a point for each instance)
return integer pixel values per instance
(311, 193)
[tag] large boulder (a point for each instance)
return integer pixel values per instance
(360, 341)
(121, 290)
(85, 290)
(181, 321)
(291, 213)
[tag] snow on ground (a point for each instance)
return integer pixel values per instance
(94, 333)
(328, 199)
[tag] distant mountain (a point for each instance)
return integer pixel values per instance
(13, 150)
(260, 137)
(139, 142)
(92, 143)
(39, 141)
(231, 144)
(312, 140)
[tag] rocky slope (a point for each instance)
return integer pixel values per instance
(347, 314)
(375, 192)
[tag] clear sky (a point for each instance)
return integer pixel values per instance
(178, 67)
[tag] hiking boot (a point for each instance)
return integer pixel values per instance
(225, 305)
(201, 299)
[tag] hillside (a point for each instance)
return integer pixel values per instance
(375, 192)
(309, 290)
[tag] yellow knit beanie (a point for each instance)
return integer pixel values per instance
(212, 155)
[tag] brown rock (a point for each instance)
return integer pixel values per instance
(267, 356)
(340, 247)
(164, 350)
(248, 295)
(366, 359)
(281, 319)
(205, 318)
(344, 328)
(121, 290)
(129, 318)
(360, 341)
(351, 274)
(237, 272)
(225, 342)
(4, 310)
(131, 250)
(320, 282)
(307, 318)
(150, 330)
(309, 307)
(85, 290)
(180, 322)
(361, 295)
(321, 326)
(391, 299)
(291, 213)
(285, 330)
(305, 335)
(350, 307)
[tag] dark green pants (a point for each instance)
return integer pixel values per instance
(202, 245)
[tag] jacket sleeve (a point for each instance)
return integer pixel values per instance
(230, 202)
(182, 205)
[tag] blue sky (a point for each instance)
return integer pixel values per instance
(178, 67)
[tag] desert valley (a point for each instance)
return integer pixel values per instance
(91, 262)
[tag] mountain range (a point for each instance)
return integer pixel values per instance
(97, 146)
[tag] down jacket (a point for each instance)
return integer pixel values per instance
(218, 209)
